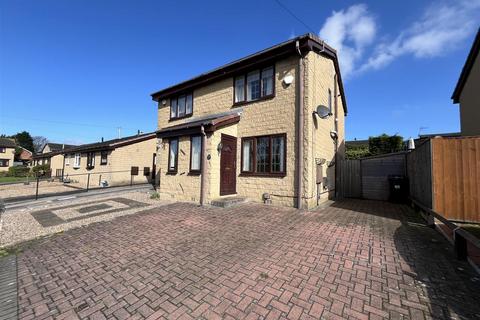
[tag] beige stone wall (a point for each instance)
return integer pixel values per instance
(470, 103)
(46, 149)
(271, 116)
(56, 163)
(138, 154)
(182, 185)
(318, 144)
(9, 155)
(117, 169)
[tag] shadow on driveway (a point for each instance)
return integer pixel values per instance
(451, 287)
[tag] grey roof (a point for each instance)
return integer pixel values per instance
(112, 144)
(7, 143)
(467, 68)
(59, 146)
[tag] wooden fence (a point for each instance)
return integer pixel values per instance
(456, 178)
(419, 172)
(368, 178)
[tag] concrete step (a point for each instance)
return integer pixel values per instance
(228, 201)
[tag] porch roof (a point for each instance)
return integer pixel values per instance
(210, 124)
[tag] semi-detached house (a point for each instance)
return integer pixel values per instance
(250, 128)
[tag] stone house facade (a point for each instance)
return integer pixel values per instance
(7, 153)
(467, 94)
(251, 128)
(109, 163)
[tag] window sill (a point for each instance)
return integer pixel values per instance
(242, 103)
(172, 172)
(264, 175)
(194, 173)
(182, 117)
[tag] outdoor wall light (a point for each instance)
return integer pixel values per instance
(334, 135)
(288, 79)
(219, 147)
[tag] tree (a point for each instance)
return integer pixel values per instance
(24, 140)
(385, 144)
(38, 143)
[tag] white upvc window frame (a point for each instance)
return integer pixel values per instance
(77, 161)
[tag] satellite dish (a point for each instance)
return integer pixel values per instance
(323, 111)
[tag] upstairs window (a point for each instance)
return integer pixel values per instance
(3, 150)
(240, 89)
(254, 85)
(330, 100)
(181, 106)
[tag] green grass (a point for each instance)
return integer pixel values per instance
(13, 179)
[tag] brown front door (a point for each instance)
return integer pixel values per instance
(228, 165)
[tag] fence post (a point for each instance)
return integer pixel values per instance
(131, 179)
(88, 181)
(36, 192)
(460, 245)
(430, 220)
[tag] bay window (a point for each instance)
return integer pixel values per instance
(195, 154)
(264, 155)
(255, 85)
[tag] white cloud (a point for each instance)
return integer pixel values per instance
(441, 27)
(349, 32)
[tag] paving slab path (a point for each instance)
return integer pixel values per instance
(352, 260)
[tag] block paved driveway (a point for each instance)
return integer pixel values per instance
(355, 259)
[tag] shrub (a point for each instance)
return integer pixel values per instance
(354, 152)
(155, 195)
(40, 170)
(18, 171)
(385, 144)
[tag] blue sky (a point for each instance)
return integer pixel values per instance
(74, 71)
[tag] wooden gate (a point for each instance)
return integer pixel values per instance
(350, 179)
(368, 178)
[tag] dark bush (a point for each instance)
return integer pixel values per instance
(18, 171)
(41, 170)
(385, 144)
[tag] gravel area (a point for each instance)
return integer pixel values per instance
(19, 225)
(44, 187)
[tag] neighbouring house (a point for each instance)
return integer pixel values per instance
(54, 147)
(52, 155)
(235, 131)
(25, 156)
(467, 92)
(110, 162)
(7, 153)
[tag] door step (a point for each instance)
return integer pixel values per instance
(228, 201)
